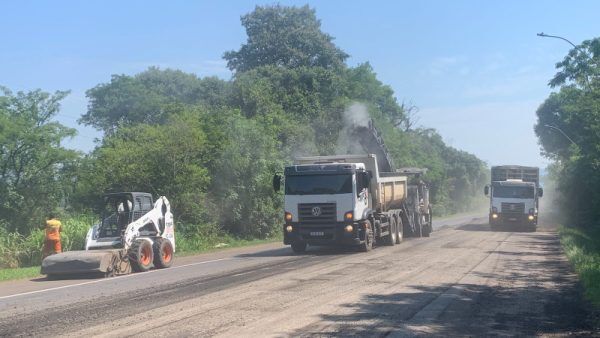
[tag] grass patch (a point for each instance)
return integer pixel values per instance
(19, 273)
(582, 247)
(191, 246)
(185, 247)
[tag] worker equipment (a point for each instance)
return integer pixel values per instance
(134, 234)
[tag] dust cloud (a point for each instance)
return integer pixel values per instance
(356, 115)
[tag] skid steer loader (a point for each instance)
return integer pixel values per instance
(134, 234)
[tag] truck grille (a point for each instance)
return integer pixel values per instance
(317, 212)
(513, 208)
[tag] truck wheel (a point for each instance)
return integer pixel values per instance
(141, 255)
(428, 225)
(163, 253)
(390, 238)
(418, 225)
(298, 247)
(399, 230)
(367, 245)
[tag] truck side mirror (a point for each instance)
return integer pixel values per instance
(540, 192)
(276, 182)
(486, 190)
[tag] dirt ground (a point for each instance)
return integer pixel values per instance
(464, 280)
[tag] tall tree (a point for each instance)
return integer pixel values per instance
(150, 97)
(33, 164)
(568, 128)
(287, 37)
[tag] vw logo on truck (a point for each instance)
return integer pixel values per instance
(316, 211)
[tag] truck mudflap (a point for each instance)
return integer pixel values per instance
(80, 262)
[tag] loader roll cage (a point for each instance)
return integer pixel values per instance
(121, 209)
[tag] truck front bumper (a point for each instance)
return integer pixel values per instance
(324, 234)
(512, 219)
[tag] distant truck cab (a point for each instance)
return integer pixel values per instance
(514, 194)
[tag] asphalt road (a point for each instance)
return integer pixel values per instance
(463, 280)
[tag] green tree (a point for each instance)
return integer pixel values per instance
(34, 168)
(150, 97)
(288, 37)
(568, 128)
(580, 67)
(172, 159)
(241, 187)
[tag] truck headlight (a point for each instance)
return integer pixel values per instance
(349, 216)
(494, 216)
(288, 216)
(349, 228)
(289, 228)
(530, 217)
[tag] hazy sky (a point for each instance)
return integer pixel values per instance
(476, 70)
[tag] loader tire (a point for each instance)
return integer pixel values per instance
(163, 253)
(141, 255)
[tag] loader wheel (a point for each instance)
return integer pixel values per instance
(163, 253)
(141, 255)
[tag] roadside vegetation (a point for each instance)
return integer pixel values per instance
(210, 145)
(569, 131)
(582, 246)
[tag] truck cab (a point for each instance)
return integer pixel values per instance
(514, 195)
(323, 203)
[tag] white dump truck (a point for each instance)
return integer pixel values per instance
(345, 200)
(348, 200)
(514, 194)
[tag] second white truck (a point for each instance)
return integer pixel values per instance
(514, 194)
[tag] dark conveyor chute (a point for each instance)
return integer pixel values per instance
(372, 142)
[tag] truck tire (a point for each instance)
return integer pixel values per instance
(390, 238)
(428, 225)
(399, 229)
(163, 253)
(141, 255)
(298, 247)
(367, 245)
(418, 226)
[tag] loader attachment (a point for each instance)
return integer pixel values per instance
(96, 262)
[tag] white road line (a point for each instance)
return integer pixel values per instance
(114, 278)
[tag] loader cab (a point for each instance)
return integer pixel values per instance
(120, 210)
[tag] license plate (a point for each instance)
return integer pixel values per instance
(317, 233)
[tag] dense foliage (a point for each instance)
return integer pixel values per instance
(211, 146)
(569, 131)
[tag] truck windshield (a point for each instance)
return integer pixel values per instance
(513, 192)
(318, 184)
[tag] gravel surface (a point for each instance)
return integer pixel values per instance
(464, 280)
